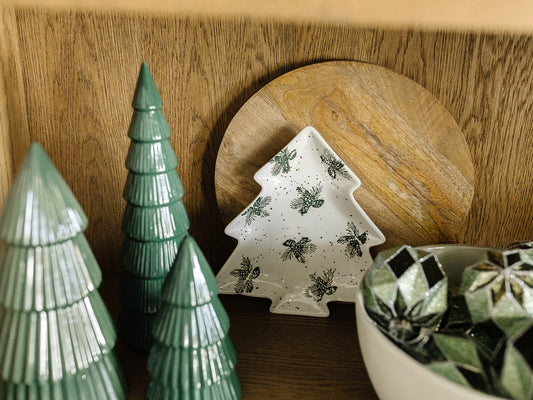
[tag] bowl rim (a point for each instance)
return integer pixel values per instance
(361, 311)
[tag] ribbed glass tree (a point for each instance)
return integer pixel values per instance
(56, 335)
(155, 220)
(192, 356)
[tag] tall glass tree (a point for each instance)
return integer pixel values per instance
(56, 335)
(155, 220)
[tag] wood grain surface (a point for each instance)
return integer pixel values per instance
(14, 134)
(78, 72)
(411, 157)
(490, 15)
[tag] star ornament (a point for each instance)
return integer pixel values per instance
(405, 293)
(500, 288)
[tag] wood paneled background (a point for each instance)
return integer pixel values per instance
(68, 80)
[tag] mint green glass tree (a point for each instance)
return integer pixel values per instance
(192, 356)
(56, 335)
(155, 220)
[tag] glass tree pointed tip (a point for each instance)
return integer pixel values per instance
(36, 150)
(146, 96)
(189, 244)
(190, 255)
(191, 281)
(37, 159)
(40, 208)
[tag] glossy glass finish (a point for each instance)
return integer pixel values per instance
(192, 356)
(56, 334)
(40, 208)
(155, 220)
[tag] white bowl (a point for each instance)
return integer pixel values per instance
(394, 374)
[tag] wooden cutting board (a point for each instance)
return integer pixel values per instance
(411, 157)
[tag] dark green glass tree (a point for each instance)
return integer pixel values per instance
(56, 335)
(155, 220)
(192, 356)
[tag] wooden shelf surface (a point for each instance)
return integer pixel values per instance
(279, 356)
(491, 15)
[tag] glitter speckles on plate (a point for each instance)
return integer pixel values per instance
(304, 240)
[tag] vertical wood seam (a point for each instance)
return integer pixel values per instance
(15, 97)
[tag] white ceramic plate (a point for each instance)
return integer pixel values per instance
(304, 241)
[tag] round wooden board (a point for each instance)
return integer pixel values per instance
(411, 157)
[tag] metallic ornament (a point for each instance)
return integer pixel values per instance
(405, 293)
(457, 359)
(520, 246)
(500, 288)
(516, 376)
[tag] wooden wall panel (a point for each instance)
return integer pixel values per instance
(508, 16)
(14, 135)
(6, 158)
(496, 116)
(79, 72)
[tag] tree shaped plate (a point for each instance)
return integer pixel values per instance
(304, 240)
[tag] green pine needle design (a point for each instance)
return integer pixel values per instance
(321, 286)
(307, 199)
(245, 275)
(257, 209)
(297, 249)
(281, 161)
(335, 165)
(353, 241)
